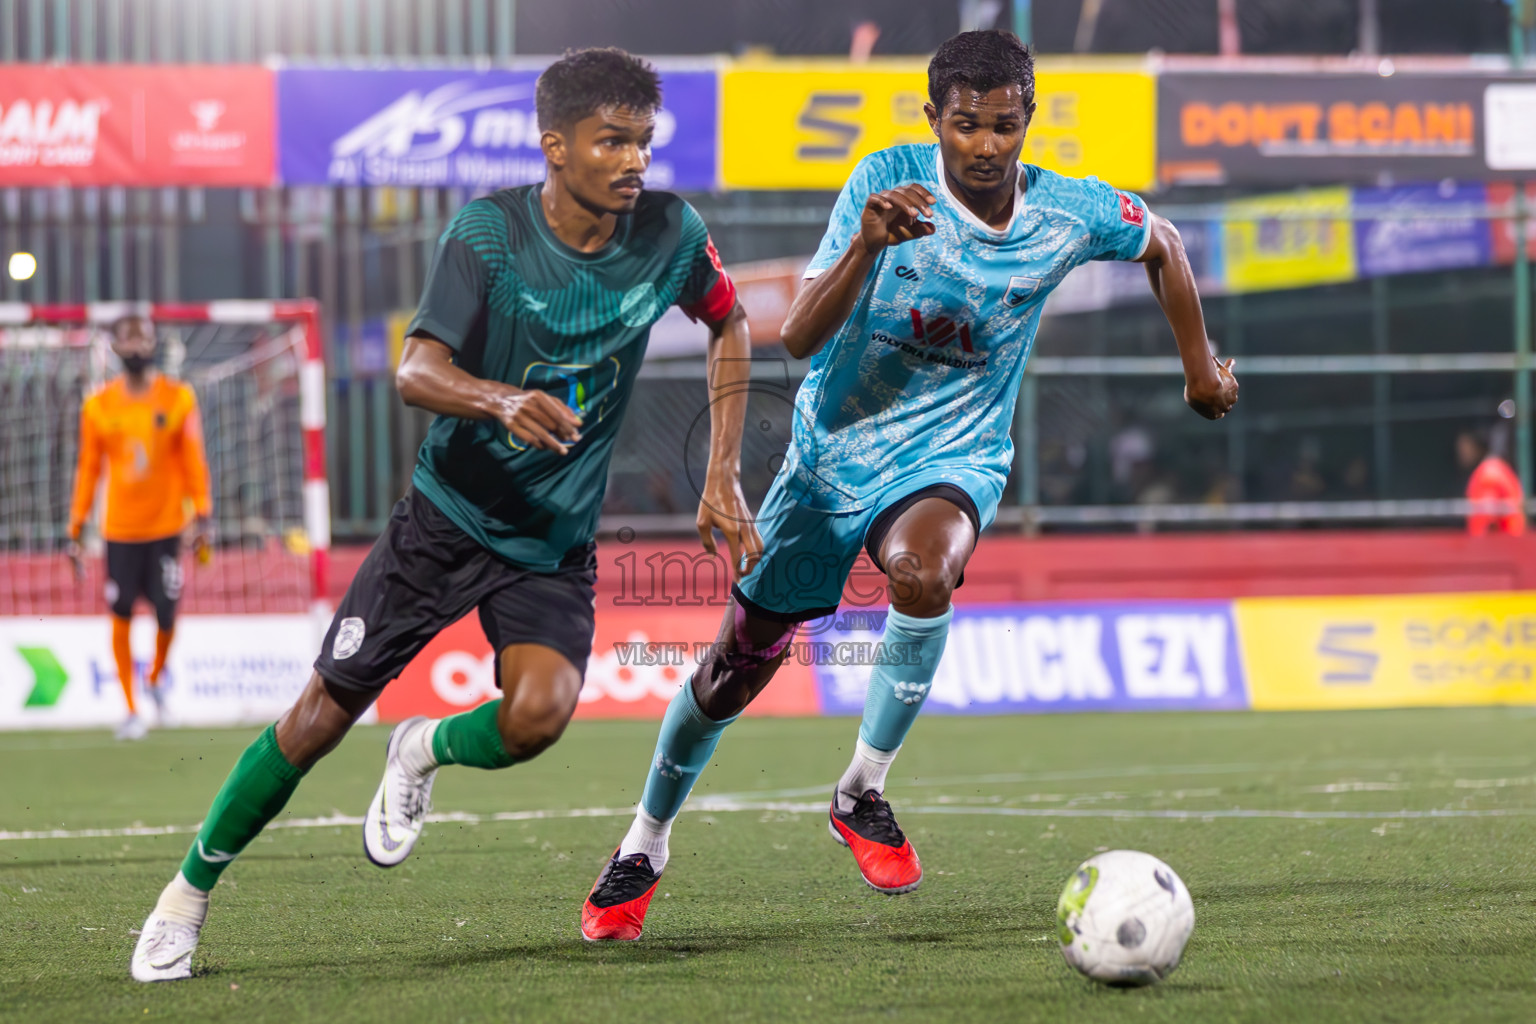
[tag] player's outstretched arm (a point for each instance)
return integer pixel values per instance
(87, 471)
(428, 379)
(824, 302)
(722, 506)
(1209, 385)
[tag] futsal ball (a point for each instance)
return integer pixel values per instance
(1124, 918)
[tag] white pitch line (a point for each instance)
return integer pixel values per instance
(718, 806)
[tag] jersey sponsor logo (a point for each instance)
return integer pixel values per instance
(906, 273)
(1020, 290)
(940, 331)
(585, 388)
(1130, 212)
(349, 638)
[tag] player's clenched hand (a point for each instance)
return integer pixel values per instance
(894, 216)
(1214, 395)
(540, 420)
(723, 507)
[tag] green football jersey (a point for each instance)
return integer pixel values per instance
(518, 305)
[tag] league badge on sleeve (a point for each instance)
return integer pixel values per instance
(1130, 212)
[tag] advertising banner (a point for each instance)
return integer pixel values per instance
(58, 672)
(1059, 657)
(1371, 652)
(805, 124)
(1266, 251)
(477, 129)
(640, 656)
(1287, 128)
(135, 125)
(1401, 245)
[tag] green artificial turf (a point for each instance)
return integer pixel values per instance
(1369, 915)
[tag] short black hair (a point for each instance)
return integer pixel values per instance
(584, 81)
(984, 60)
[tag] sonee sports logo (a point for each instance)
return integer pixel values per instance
(940, 331)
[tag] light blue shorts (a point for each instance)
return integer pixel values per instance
(808, 553)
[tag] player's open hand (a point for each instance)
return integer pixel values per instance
(895, 216)
(723, 507)
(1214, 395)
(540, 420)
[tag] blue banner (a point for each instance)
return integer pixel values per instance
(1057, 657)
(476, 129)
(1418, 244)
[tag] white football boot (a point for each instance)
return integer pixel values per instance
(134, 727)
(165, 946)
(399, 808)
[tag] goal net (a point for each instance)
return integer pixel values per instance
(260, 382)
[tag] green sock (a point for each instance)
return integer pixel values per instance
(472, 739)
(256, 790)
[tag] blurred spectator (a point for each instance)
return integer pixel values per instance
(1357, 479)
(1226, 489)
(1307, 483)
(1498, 500)
(1130, 453)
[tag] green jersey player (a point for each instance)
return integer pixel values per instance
(530, 333)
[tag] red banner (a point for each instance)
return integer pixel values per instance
(1502, 193)
(136, 125)
(639, 659)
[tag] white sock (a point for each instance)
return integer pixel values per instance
(183, 902)
(649, 836)
(865, 773)
(416, 748)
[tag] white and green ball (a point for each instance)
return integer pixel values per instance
(1124, 918)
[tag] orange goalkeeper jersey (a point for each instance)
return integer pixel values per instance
(152, 444)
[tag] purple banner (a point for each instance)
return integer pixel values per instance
(476, 129)
(1058, 657)
(1393, 245)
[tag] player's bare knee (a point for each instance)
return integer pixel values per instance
(317, 722)
(741, 663)
(535, 711)
(922, 586)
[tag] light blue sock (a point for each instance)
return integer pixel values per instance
(687, 742)
(902, 677)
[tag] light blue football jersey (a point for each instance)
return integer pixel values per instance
(918, 386)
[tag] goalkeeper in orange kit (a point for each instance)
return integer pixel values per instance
(145, 427)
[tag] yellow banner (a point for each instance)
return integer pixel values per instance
(1266, 252)
(1374, 652)
(805, 124)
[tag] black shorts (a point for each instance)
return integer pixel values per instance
(150, 569)
(424, 574)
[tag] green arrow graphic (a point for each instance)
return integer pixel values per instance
(49, 677)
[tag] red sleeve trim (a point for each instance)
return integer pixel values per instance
(716, 305)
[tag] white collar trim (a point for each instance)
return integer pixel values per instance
(965, 212)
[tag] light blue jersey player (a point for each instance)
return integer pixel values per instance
(920, 308)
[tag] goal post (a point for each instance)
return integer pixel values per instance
(258, 370)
